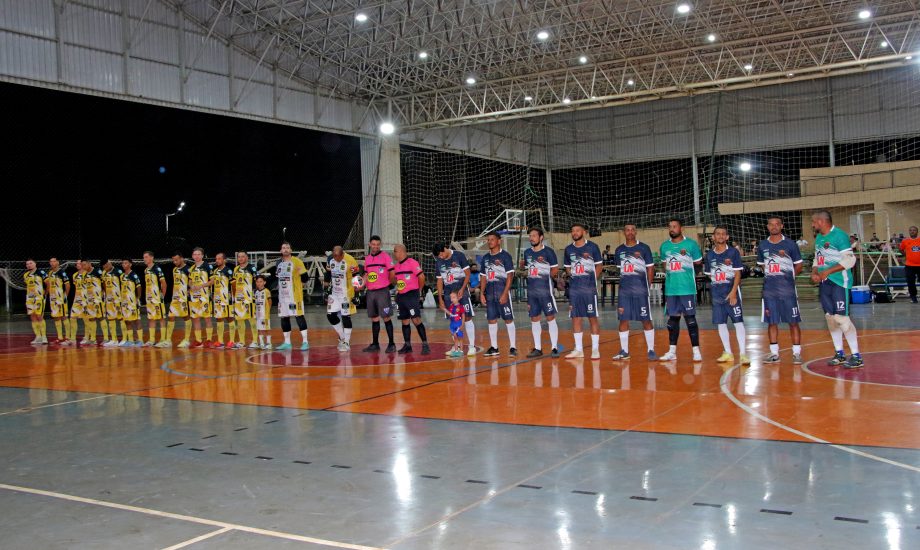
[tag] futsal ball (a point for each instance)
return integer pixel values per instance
(357, 281)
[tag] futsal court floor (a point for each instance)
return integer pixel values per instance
(152, 448)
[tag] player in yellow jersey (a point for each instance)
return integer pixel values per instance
(244, 275)
(199, 274)
(78, 309)
(131, 306)
(34, 279)
(290, 296)
(92, 283)
(111, 286)
(223, 305)
(178, 304)
(58, 287)
(155, 289)
(341, 267)
(262, 298)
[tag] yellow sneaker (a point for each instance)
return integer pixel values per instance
(745, 360)
(726, 358)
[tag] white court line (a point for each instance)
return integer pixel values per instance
(29, 409)
(725, 386)
(192, 519)
(205, 536)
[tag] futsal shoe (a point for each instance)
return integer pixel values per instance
(305, 346)
(669, 356)
(110, 344)
(772, 358)
(554, 354)
(373, 348)
(425, 349)
(512, 352)
(214, 345)
(125, 344)
(184, 344)
(283, 347)
(196, 344)
(796, 359)
(405, 349)
(854, 362)
(697, 356)
(745, 360)
(254, 345)
(622, 356)
(341, 346)
(575, 354)
(36, 341)
(595, 353)
(391, 348)
(491, 352)
(266, 347)
(66, 342)
(230, 345)
(652, 356)
(455, 353)
(471, 352)
(164, 344)
(139, 344)
(347, 345)
(726, 357)
(237, 346)
(535, 353)
(150, 344)
(837, 360)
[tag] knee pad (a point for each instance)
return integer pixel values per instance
(844, 322)
(346, 321)
(286, 324)
(673, 323)
(691, 321)
(301, 322)
(333, 318)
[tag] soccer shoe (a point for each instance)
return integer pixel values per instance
(772, 358)
(837, 360)
(491, 352)
(425, 349)
(305, 346)
(254, 345)
(669, 356)
(796, 358)
(164, 344)
(595, 353)
(652, 356)
(512, 352)
(405, 349)
(373, 348)
(745, 360)
(535, 353)
(391, 348)
(697, 357)
(471, 352)
(554, 354)
(854, 362)
(183, 344)
(575, 354)
(283, 347)
(726, 357)
(621, 356)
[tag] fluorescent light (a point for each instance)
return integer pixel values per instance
(748, 67)
(360, 17)
(865, 14)
(884, 44)
(566, 100)
(583, 59)
(909, 57)
(528, 98)
(423, 54)
(630, 82)
(683, 8)
(711, 38)
(543, 35)
(387, 128)
(745, 166)
(790, 75)
(470, 80)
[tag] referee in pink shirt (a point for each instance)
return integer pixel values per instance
(409, 279)
(378, 276)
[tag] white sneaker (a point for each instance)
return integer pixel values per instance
(669, 356)
(44, 341)
(84, 342)
(341, 346)
(183, 344)
(471, 352)
(37, 340)
(347, 345)
(575, 354)
(697, 357)
(149, 344)
(254, 345)
(595, 353)
(125, 344)
(109, 344)
(164, 344)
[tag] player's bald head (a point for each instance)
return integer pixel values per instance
(399, 248)
(337, 251)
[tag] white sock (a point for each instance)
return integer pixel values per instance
(470, 332)
(578, 344)
(268, 339)
(595, 341)
(338, 330)
(696, 350)
(650, 339)
(553, 334)
(512, 335)
(837, 337)
(741, 337)
(287, 337)
(624, 340)
(261, 339)
(774, 349)
(852, 340)
(537, 331)
(347, 335)
(723, 335)
(672, 349)
(303, 334)
(797, 349)
(493, 335)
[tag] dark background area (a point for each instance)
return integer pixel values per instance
(82, 177)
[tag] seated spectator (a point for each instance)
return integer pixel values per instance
(474, 282)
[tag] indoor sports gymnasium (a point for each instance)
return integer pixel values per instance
(460, 274)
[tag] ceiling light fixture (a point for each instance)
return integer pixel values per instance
(543, 35)
(360, 17)
(683, 8)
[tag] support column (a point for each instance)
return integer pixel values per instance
(549, 201)
(382, 190)
(830, 122)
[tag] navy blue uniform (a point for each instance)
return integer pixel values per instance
(496, 268)
(780, 301)
(539, 265)
(453, 272)
(580, 261)
(634, 262)
(722, 269)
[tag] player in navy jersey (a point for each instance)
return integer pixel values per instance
(584, 263)
(542, 266)
(497, 273)
(782, 262)
(453, 275)
(723, 265)
(637, 271)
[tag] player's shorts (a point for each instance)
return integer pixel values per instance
(378, 303)
(58, 310)
(222, 311)
(456, 329)
(130, 312)
(721, 313)
(835, 300)
(35, 306)
(495, 309)
(263, 323)
(541, 304)
(94, 310)
(338, 304)
(408, 305)
(112, 310)
(155, 312)
(243, 311)
(464, 301)
(780, 310)
(582, 305)
(78, 310)
(178, 309)
(677, 305)
(634, 308)
(199, 310)
(289, 308)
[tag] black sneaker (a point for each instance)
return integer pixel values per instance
(554, 354)
(491, 352)
(425, 349)
(512, 352)
(372, 348)
(913, 300)
(534, 353)
(854, 362)
(391, 348)
(405, 349)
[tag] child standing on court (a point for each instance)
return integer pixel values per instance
(263, 302)
(455, 314)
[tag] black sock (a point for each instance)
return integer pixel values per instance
(694, 329)
(422, 333)
(673, 330)
(375, 332)
(389, 327)
(407, 334)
